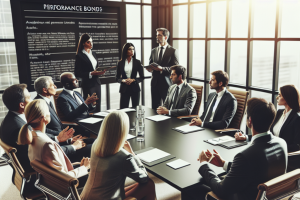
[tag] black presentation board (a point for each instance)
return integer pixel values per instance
(47, 34)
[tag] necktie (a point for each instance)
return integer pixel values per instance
(74, 95)
(175, 97)
(160, 55)
(51, 105)
(208, 116)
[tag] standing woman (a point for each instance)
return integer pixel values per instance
(287, 122)
(127, 70)
(85, 68)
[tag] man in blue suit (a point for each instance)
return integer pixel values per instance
(70, 102)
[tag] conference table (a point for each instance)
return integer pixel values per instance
(184, 146)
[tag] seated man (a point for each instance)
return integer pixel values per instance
(263, 160)
(221, 105)
(45, 88)
(70, 102)
(181, 97)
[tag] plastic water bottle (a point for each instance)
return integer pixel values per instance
(140, 124)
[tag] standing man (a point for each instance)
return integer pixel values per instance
(162, 58)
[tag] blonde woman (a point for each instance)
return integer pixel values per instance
(112, 160)
(41, 147)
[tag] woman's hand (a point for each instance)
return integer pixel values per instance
(128, 148)
(85, 162)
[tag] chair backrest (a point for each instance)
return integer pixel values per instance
(54, 183)
(199, 91)
(241, 97)
(280, 187)
(59, 113)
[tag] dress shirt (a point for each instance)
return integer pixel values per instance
(71, 92)
(164, 49)
(128, 68)
(219, 97)
(56, 140)
(91, 58)
(22, 116)
(225, 166)
(278, 125)
(179, 89)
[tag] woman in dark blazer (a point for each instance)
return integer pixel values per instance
(85, 67)
(287, 122)
(127, 70)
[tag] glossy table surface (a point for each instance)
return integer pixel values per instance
(184, 146)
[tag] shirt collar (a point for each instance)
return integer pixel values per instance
(46, 99)
(259, 135)
(130, 60)
(40, 134)
(22, 116)
(165, 46)
(180, 86)
(71, 92)
(84, 51)
(220, 94)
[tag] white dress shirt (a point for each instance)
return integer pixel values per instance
(164, 49)
(219, 97)
(91, 58)
(179, 89)
(280, 122)
(128, 68)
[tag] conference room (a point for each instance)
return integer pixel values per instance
(254, 44)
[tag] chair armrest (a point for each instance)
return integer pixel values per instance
(212, 196)
(187, 116)
(69, 123)
(295, 153)
(130, 198)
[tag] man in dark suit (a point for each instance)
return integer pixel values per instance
(181, 96)
(70, 102)
(76, 148)
(162, 58)
(263, 160)
(221, 105)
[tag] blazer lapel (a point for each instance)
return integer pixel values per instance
(53, 113)
(87, 59)
(155, 54)
(65, 160)
(134, 68)
(221, 102)
(165, 54)
(181, 93)
(71, 99)
(287, 121)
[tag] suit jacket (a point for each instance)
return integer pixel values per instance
(70, 108)
(170, 58)
(224, 112)
(107, 175)
(50, 153)
(55, 127)
(263, 160)
(83, 67)
(185, 102)
(136, 67)
(290, 130)
(9, 132)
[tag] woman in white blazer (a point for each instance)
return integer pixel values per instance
(112, 160)
(41, 147)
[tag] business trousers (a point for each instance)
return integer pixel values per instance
(89, 91)
(125, 97)
(158, 96)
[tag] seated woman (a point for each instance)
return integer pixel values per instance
(112, 160)
(41, 147)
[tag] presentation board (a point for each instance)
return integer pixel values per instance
(47, 35)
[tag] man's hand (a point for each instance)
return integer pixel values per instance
(91, 99)
(79, 144)
(239, 136)
(162, 110)
(65, 134)
(74, 139)
(196, 122)
(85, 162)
(217, 160)
(203, 157)
(98, 73)
(149, 69)
(158, 68)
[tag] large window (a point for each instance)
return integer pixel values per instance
(256, 41)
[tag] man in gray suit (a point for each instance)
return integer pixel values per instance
(161, 59)
(181, 97)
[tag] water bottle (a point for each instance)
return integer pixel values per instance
(140, 124)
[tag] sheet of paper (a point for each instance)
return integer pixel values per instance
(111, 110)
(158, 118)
(91, 120)
(129, 136)
(187, 128)
(221, 139)
(101, 114)
(152, 155)
(128, 109)
(296, 196)
(178, 164)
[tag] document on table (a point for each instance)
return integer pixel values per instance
(152, 155)
(219, 140)
(188, 129)
(111, 110)
(178, 164)
(128, 109)
(101, 114)
(158, 118)
(129, 136)
(91, 120)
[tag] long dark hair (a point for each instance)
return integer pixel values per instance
(124, 51)
(291, 95)
(83, 39)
